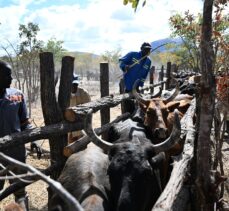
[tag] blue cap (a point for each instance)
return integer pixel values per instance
(75, 79)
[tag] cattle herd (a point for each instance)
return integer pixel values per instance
(129, 170)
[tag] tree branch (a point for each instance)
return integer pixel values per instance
(72, 203)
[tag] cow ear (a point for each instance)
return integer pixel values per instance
(144, 106)
(171, 106)
(184, 105)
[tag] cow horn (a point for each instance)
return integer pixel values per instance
(173, 138)
(92, 135)
(137, 96)
(157, 94)
(175, 93)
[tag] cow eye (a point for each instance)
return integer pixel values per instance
(151, 111)
(165, 112)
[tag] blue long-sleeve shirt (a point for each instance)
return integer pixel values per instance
(138, 71)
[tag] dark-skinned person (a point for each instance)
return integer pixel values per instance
(78, 96)
(134, 65)
(13, 119)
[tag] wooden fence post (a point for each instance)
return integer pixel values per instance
(161, 76)
(65, 87)
(104, 89)
(174, 68)
(151, 78)
(168, 75)
(51, 108)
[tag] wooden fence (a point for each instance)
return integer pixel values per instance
(56, 112)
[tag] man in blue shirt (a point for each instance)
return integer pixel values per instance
(13, 119)
(135, 65)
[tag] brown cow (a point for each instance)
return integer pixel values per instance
(159, 112)
(159, 118)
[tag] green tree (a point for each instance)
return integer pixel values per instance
(29, 49)
(206, 44)
(188, 28)
(112, 58)
(134, 3)
(56, 47)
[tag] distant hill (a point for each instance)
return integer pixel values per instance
(78, 54)
(157, 43)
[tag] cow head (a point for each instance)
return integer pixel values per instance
(132, 168)
(156, 112)
(132, 177)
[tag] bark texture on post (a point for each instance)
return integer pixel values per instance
(168, 75)
(78, 112)
(161, 76)
(151, 78)
(206, 104)
(51, 110)
(174, 68)
(38, 133)
(104, 90)
(66, 82)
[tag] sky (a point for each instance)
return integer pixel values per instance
(94, 26)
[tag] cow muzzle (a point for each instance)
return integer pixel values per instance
(161, 133)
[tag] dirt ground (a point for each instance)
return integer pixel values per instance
(38, 196)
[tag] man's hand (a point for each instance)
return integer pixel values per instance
(127, 67)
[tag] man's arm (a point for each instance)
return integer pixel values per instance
(23, 115)
(125, 61)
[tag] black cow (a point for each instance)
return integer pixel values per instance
(133, 168)
(85, 177)
(125, 130)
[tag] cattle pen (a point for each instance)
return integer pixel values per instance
(59, 119)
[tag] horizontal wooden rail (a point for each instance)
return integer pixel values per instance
(72, 114)
(75, 113)
(49, 131)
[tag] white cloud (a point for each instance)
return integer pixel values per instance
(100, 26)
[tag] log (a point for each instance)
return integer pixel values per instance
(74, 113)
(52, 111)
(46, 132)
(175, 194)
(72, 203)
(16, 186)
(39, 133)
